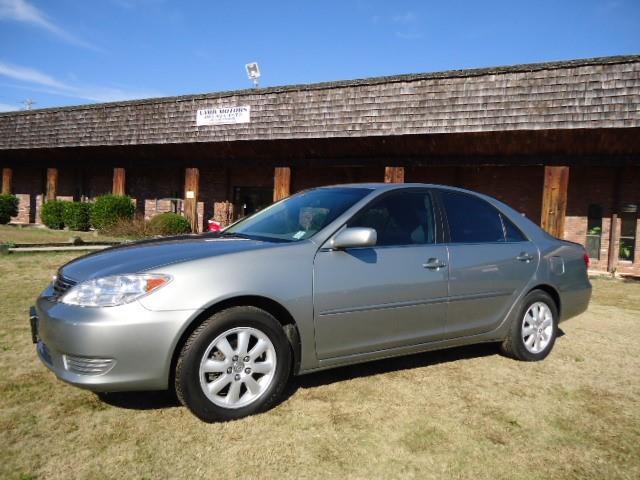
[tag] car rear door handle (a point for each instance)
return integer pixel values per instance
(524, 257)
(434, 264)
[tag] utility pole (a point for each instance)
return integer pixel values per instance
(28, 104)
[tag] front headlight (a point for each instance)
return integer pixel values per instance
(113, 291)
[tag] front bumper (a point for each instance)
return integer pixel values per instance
(108, 349)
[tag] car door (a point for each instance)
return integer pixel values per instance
(389, 295)
(490, 263)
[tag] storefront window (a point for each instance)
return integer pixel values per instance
(628, 220)
(594, 231)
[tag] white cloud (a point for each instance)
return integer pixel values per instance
(22, 11)
(30, 75)
(6, 107)
(41, 82)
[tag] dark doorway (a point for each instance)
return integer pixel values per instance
(248, 200)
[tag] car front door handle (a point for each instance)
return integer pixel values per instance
(434, 264)
(524, 257)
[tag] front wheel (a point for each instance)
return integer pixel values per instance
(236, 363)
(533, 333)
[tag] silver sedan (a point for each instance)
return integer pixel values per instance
(329, 277)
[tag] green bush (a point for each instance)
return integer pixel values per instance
(170, 224)
(135, 228)
(8, 208)
(108, 209)
(53, 214)
(77, 216)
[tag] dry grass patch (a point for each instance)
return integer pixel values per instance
(461, 413)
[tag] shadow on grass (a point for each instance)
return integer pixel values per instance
(395, 364)
(141, 400)
(167, 399)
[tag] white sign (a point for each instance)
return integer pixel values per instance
(223, 115)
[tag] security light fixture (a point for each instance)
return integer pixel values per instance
(253, 72)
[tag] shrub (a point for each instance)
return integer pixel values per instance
(108, 209)
(170, 224)
(53, 214)
(77, 216)
(134, 228)
(8, 207)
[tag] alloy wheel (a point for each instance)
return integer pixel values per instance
(238, 367)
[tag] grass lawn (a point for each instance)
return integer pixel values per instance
(462, 413)
(33, 234)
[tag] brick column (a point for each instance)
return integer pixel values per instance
(7, 180)
(191, 188)
(119, 176)
(393, 174)
(554, 200)
(281, 183)
(52, 184)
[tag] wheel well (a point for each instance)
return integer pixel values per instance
(552, 292)
(272, 307)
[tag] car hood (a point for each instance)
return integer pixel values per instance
(150, 254)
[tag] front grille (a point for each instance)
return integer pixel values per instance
(61, 284)
(88, 365)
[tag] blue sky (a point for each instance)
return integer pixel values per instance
(66, 52)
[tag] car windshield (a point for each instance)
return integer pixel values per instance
(298, 217)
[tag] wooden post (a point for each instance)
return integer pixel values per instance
(612, 258)
(393, 174)
(554, 200)
(191, 189)
(119, 176)
(52, 184)
(281, 183)
(7, 179)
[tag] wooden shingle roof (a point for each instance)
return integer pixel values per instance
(590, 93)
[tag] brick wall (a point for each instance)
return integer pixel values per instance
(309, 177)
(28, 186)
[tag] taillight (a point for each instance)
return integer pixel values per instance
(587, 261)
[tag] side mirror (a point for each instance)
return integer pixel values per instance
(354, 237)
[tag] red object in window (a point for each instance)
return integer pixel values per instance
(587, 260)
(214, 226)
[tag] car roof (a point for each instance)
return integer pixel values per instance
(380, 186)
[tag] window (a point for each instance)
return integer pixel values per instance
(628, 220)
(400, 218)
(471, 219)
(594, 231)
(511, 232)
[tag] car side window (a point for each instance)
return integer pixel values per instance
(400, 218)
(471, 219)
(511, 232)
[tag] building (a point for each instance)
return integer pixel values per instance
(558, 141)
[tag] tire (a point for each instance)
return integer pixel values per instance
(247, 379)
(532, 335)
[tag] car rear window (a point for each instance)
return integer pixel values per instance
(471, 219)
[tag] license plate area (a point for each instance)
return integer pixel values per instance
(33, 320)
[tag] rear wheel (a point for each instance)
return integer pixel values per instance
(533, 332)
(235, 364)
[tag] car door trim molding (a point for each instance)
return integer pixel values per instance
(388, 306)
(383, 306)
